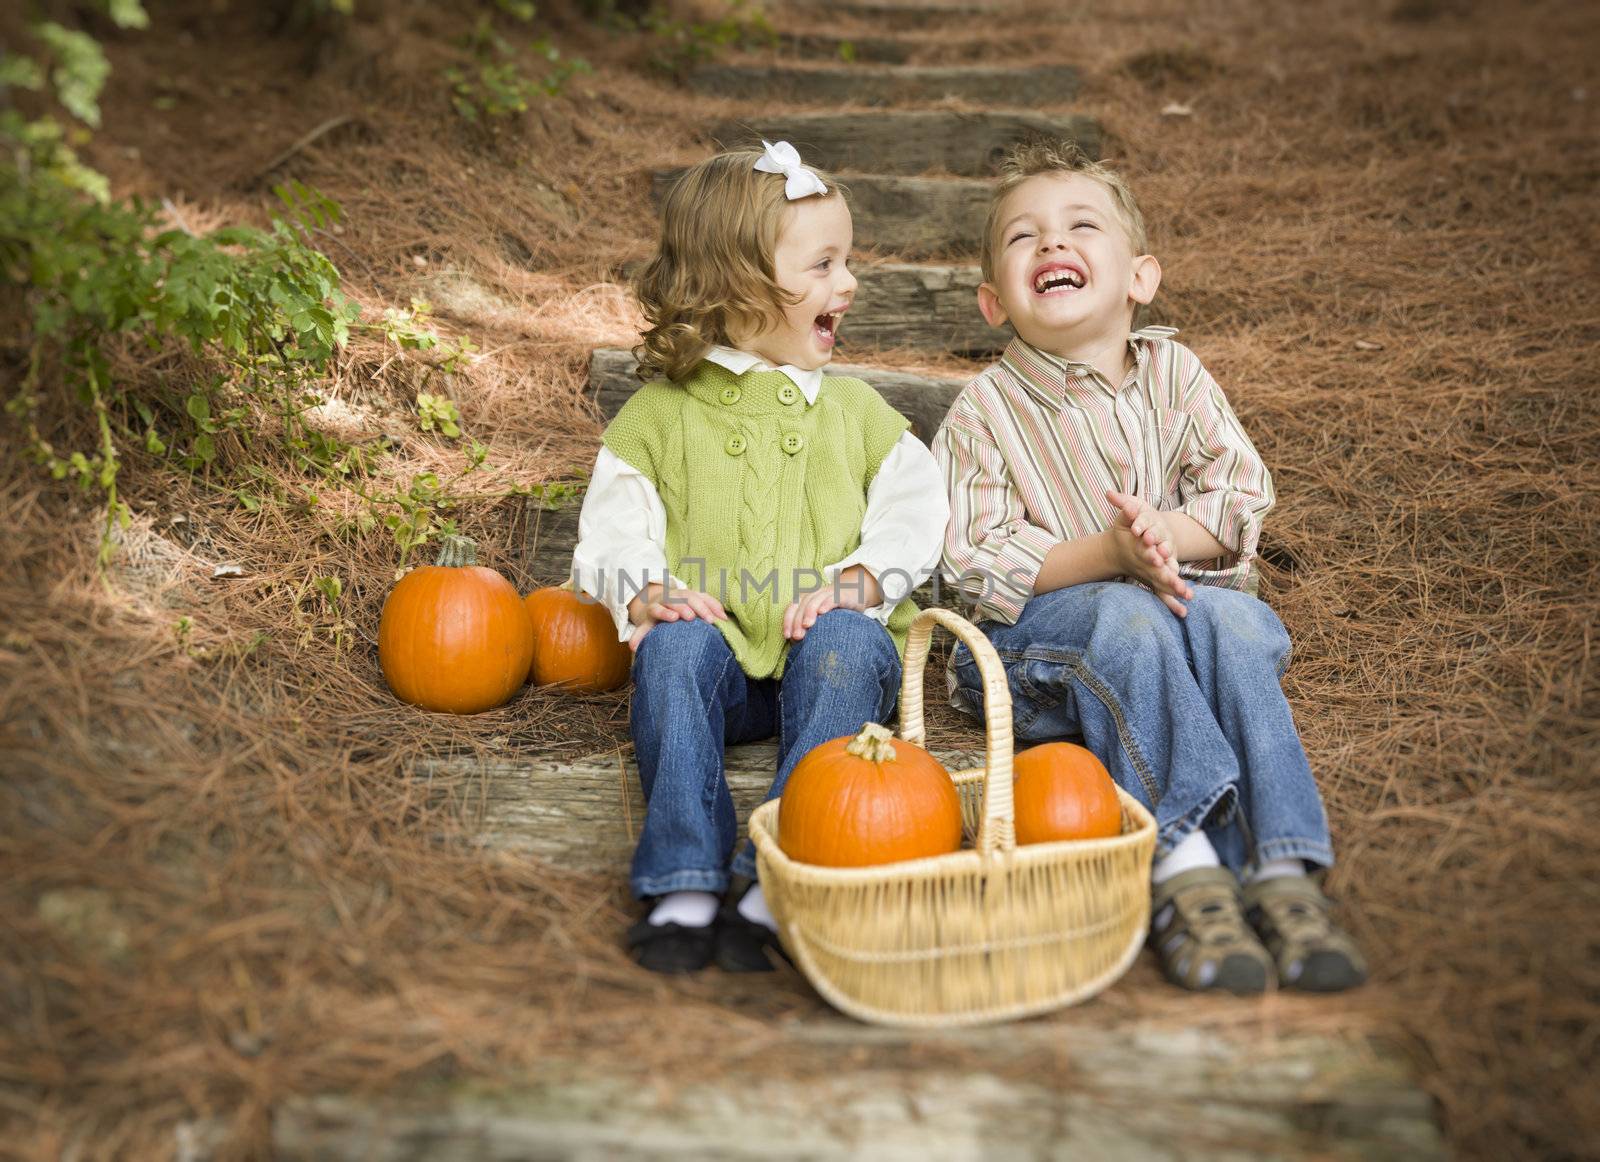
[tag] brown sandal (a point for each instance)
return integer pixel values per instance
(1198, 930)
(1294, 920)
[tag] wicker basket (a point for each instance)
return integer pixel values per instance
(988, 933)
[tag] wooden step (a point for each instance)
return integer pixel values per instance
(1044, 1089)
(583, 814)
(921, 399)
(907, 142)
(919, 217)
(923, 308)
(898, 15)
(879, 85)
(909, 217)
(887, 50)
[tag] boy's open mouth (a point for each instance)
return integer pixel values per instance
(1057, 278)
(827, 327)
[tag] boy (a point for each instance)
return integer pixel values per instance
(1096, 474)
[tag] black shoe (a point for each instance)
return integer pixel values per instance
(742, 944)
(671, 948)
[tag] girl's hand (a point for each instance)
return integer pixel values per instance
(1142, 544)
(654, 605)
(855, 588)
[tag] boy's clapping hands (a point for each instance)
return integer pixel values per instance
(1143, 544)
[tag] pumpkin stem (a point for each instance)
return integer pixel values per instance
(457, 552)
(875, 743)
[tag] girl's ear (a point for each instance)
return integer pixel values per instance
(1146, 278)
(989, 304)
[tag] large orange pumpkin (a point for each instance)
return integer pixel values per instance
(868, 799)
(575, 642)
(454, 635)
(1063, 792)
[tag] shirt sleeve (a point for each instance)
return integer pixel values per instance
(903, 528)
(1224, 485)
(992, 552)
(622, 536)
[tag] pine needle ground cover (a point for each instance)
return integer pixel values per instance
(221, 888)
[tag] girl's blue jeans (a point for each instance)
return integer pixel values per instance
(690, 698)
(1188, 714)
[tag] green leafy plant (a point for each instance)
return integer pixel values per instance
(494, 85)
(681, 45)
(263, 306)
(438, 412)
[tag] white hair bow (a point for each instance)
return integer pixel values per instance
(799, 182)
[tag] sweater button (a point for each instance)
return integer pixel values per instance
(734, 446)
(730, 395)
(793, 442)
(787, 393)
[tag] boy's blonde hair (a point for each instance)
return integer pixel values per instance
(1032, 158)
(720, 223)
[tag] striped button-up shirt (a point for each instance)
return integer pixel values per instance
(1030, 447)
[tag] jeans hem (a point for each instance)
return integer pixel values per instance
(692, 880)
(1224, 805)
(1314, 851)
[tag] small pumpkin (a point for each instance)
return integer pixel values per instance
(868, 799)
(454, 635)
(1062, 791)
(575, 642)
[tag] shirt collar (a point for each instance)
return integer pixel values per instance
(739, 362)
(1047, 376)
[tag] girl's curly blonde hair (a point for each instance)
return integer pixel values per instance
(720, 223)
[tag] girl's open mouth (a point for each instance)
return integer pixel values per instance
(826, 327)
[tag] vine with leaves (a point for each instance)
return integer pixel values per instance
(264, 306)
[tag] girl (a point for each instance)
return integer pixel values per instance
(754, 526)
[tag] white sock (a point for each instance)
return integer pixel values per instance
(1193, 850)
(691, 909)
(1274, 868)
(754, 908)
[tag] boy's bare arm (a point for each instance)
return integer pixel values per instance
(1192, 540)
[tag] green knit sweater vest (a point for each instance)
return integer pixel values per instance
(761, 490)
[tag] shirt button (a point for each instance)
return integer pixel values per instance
(787, 393)
(793, 442)
(730, 395)
(734, 446)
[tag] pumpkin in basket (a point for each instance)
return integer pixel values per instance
(454, 635)
(868, 799)
(1063, 792)
(575, 642)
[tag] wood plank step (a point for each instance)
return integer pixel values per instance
(919, 218)
(879, 85)
(1043, 1089)
(910, 141)
(921, 399)
(584, 814)
(910, 217)
(891, 14)
(886, 50)
(922, 307)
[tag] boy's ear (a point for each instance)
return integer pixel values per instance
(989, 304)
(1146, 278)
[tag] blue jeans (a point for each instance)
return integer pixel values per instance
(1188, 714)
(690, 697)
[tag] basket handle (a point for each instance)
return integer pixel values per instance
(997, 830)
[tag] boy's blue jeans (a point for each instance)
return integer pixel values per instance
(1188, 714)
(690, 697)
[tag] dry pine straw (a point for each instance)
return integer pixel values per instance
(219, 889)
